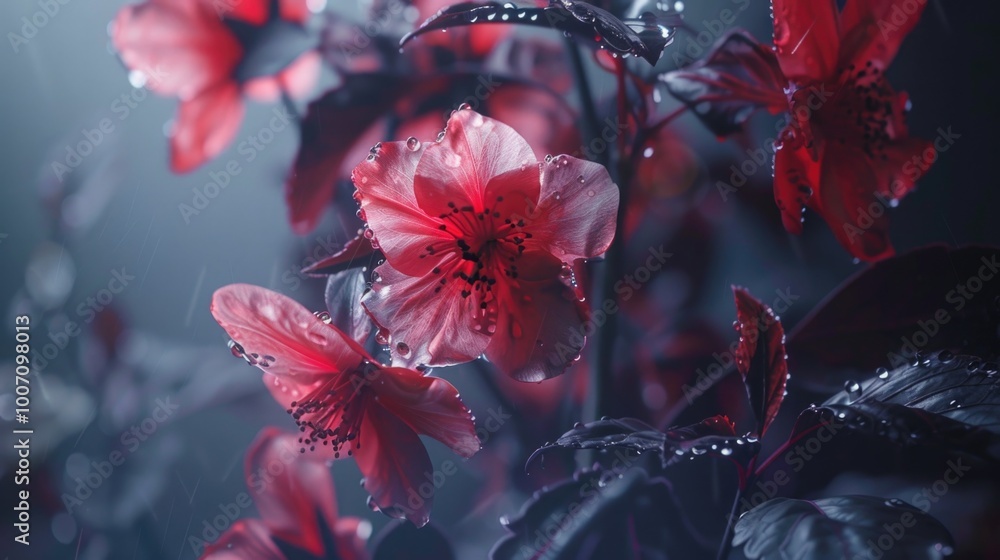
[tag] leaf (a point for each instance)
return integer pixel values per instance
(644, 37)
(594, 516)
(840, 527)
(760, 357)
(713, 436)
(946, 401)
(736, 78)
(358, 251)
(406, 541)
(884, 314)
(330, 127)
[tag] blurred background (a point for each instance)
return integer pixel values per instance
(70, 237)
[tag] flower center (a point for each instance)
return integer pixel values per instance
(862, 110)
(484, 248)
(333, 411)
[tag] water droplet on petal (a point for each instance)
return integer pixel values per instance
(324, 316)
(412, 143)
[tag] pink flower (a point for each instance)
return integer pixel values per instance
(298, 508)
(208, 54)
(343, 399)
(477, 234)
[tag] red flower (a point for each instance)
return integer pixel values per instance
(846, 152)
(294, 494)
(476, 234)
(343, 399)
(208, 53)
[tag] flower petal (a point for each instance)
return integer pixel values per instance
(247, 539)
(429, 405)
(205, 126)
(276, 330)
(181, 46)
(577, 209)
(295, 500)
(540, 327)
(796, 177)
(431, 322)
(257, 12)
(874, 29)
(846, 195)
(385, 190)
(394, 463)
(806, 38)
(457, 169)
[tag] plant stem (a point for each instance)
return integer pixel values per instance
(604, 346)
(727, 537)
(746, 477)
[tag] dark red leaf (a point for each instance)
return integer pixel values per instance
(736, 78)
(942, 401)
(922, 300)
(644, 37)
(356, 252)
(594, 516)
(714, 436)
(760, 356)
(838, 527)
(331, 125)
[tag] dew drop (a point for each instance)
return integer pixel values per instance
(324, 316)
(852, 386)
(403, 349)
(882, 373)
(412, 143)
